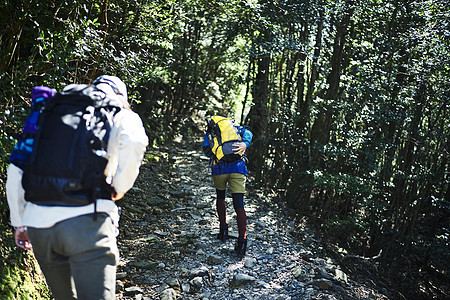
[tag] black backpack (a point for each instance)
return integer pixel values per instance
(66, 167)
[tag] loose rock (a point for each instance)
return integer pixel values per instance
(168, 294)
(196, 283)
(214, 260)
(241, 279)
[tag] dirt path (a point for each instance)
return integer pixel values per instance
(169, 250)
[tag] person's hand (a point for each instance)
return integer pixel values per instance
(21, 238)
(117, 196)
(240, 148)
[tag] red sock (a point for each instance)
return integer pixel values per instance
(221, 211)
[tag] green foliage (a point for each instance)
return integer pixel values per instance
(349, 232)
(343, 184)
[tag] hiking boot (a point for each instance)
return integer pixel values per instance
(241, 246)
(223, 233)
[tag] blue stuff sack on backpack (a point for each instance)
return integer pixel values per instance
(24, 146)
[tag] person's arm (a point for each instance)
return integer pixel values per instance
(241, 147)
(126, 147)
(247, 137)
(15, 195)
(206, 147)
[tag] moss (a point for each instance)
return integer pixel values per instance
(20, 275)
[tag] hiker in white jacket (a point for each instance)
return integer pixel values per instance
(77, 253)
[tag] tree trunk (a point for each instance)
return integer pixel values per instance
(250, 70)
(9, 42)
(301, 185)
(320, 131)
(258, 117)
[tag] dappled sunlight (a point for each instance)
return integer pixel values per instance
(172, 244)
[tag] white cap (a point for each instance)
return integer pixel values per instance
(117, 85)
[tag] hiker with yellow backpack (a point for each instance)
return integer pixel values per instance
(225, 144)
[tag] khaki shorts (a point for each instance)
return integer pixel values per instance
(236, 182)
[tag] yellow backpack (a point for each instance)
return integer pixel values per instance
(223, 133)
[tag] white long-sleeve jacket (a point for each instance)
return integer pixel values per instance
(126, 147)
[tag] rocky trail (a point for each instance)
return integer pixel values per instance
(169, 249)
